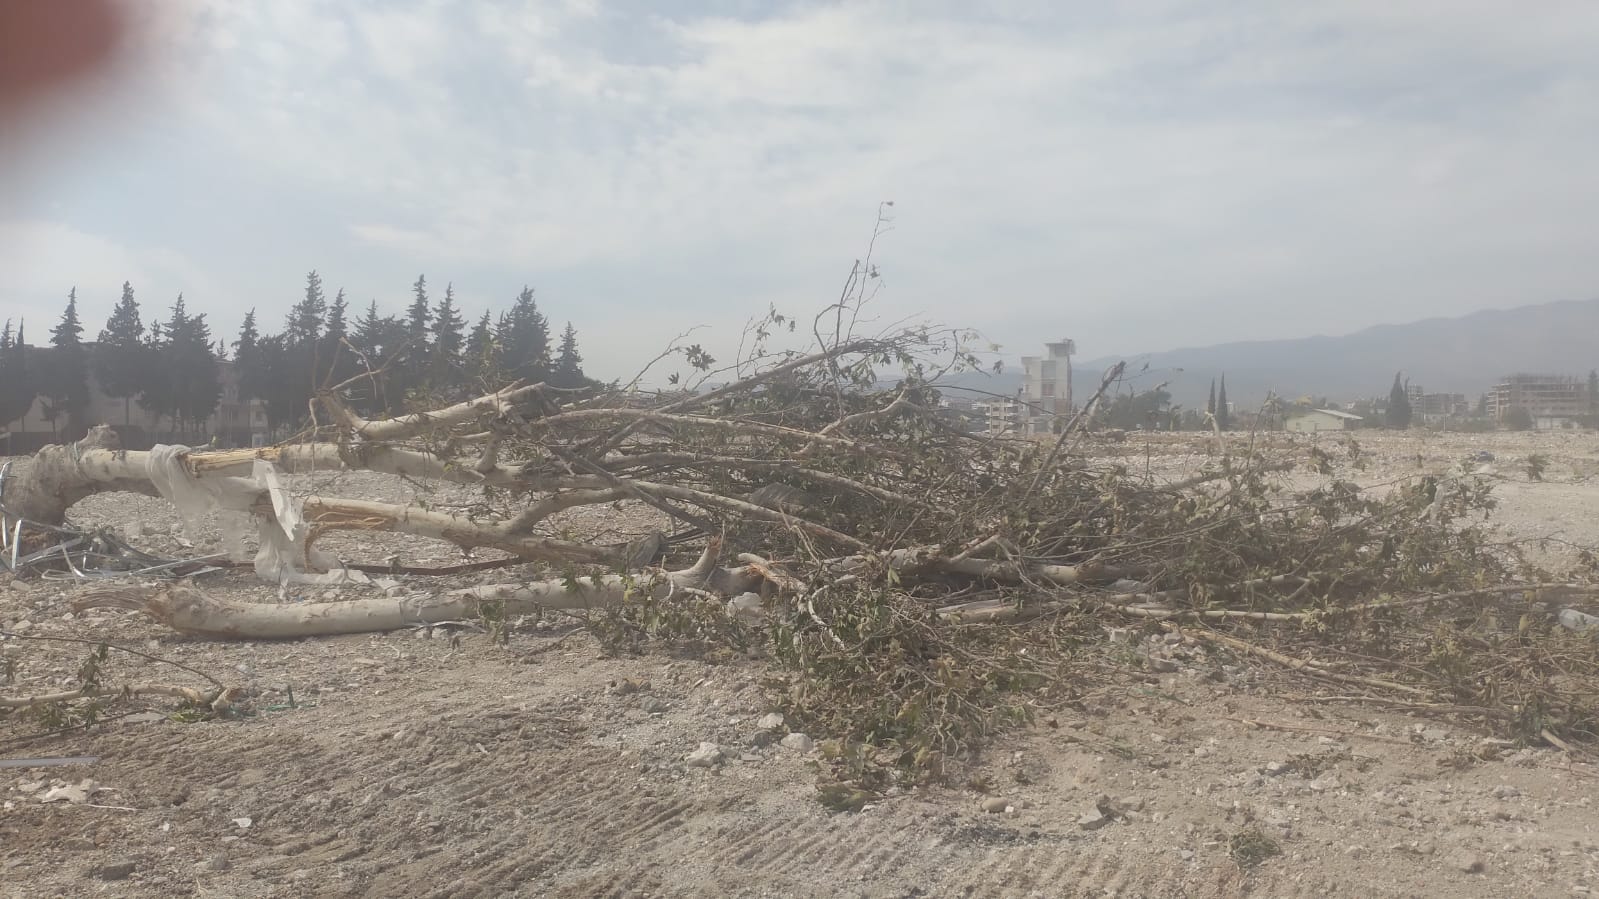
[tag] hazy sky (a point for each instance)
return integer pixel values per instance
(1136, 175)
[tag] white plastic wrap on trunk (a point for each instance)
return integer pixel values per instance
(194, 498)
(282, 556)
(283, 546)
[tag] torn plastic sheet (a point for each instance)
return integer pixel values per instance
(283, 557)
(283, 539)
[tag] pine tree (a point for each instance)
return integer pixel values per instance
(410, 368)
(197, 382)
(157, 391)
(282, 396)
(479, 355)
(334, 363)
(369, 334)
(377, 338)
(446, 344)
(248, 362)
(524, 338)
(306, 318)
(1398, 414)
(121, 359)
(419, 314)
(568, 364)
(16, 385)
(292, 375)
(66, 387)
(336, 327)
(1224, 415)
(1211, 405)
(186, 385)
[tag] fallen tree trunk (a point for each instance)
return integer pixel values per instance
(60, 476)
(191, 611)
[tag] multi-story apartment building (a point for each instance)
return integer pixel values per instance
(1552, 401)
(1001, 415)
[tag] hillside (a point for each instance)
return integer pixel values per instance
(1456, 355)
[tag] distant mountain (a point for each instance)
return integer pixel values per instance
(1444, 355)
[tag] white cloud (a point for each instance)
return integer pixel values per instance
(44, 260)
(1099, 169)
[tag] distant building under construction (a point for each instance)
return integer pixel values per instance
(1047, 388)
(1000, 415)
(1439, 408)
(1552, 401)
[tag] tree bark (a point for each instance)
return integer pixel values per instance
(60, 476)
(190, 611)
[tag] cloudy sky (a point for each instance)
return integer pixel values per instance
(1137, 175)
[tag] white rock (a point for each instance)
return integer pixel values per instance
(770, 721)
(798, 743)
(243, 823)
(707, 756)
(1093, 820)
(75, 794)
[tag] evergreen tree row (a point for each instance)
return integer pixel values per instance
(387, 363)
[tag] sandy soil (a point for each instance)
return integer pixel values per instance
(440, 764)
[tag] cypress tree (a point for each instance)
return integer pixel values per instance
(1398, 415)
(1224, 415)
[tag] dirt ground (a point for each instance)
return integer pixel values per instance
(439, 764)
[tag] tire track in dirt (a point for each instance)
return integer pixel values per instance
(508, 801)
(1082, 868)
(508, 804)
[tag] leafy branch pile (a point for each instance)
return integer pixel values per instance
(917, 584)
(925, 585)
